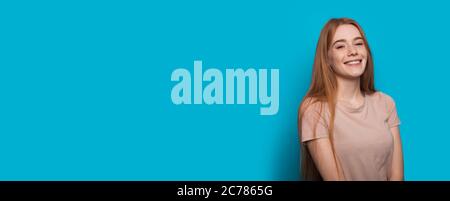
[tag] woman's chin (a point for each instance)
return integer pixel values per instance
(355, 72)
(353, 75)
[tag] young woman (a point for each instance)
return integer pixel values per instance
(348, 130)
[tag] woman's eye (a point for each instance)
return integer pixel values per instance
(359, 44)
(339, 47)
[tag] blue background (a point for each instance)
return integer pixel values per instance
(85, 86)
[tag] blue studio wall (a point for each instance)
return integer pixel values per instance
(85, 86)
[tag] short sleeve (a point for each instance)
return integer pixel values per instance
(313, 123)
(392, 118)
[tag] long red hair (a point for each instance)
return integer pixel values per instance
(324, 85)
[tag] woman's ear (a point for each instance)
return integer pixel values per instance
(329, 60)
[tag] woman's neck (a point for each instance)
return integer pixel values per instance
(349, 90)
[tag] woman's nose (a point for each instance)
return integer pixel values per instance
(352, 50)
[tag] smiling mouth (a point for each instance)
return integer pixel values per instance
(353, 62)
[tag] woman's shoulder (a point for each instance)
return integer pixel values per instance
(312, 105)
(383, 98)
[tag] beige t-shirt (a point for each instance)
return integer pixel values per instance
(362, 139)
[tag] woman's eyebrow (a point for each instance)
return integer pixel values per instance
(357, 38)
(343, 40)
(340, 40)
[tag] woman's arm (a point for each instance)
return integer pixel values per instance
(397, 160)
(323, 157)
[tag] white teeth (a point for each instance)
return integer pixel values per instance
(353, 62)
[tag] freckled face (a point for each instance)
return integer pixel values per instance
(348, 53)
